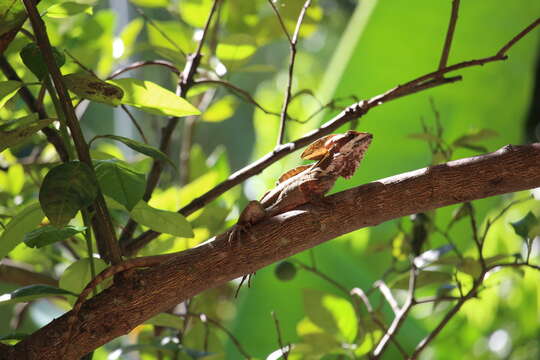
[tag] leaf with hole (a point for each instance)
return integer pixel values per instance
(33, 59)
(31, 293)
(139, 147)
(154, 99)
(48, 234)
(118, 181)
(92, 88)
(66, 189)
(162, 221)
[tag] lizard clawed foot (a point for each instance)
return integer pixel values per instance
(248, 277)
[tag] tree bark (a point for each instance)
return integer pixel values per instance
(124, 305)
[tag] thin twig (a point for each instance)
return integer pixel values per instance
(502, 52)
(280, 19)
(239, 91)
(284, 351)
(400, 317)
(449, 34)
(292, 43)
(138, 64)
(134, 122)
(161, 32)
(102, 224)
(184, 84)
(204, 318)
(387, 294)
(354, 111)
(33, 105)
(477, 241)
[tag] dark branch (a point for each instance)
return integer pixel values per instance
(148, 292)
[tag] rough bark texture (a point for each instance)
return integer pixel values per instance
(124, 305)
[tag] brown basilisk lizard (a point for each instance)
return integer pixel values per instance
(337, 155)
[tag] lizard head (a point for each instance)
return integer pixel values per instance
(345, 152)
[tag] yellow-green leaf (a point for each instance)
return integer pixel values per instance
(90, 87)
(220, 110)
(8, 89)
(154, 99)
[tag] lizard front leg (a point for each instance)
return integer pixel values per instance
(252, 214)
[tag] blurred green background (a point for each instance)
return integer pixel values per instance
(347, 50)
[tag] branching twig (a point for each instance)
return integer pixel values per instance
(449, 34)
(185, 83)
(134, 122)
(138, 64)
(205, 319)
(292, 43)
(161, 32)
(284, 351)
(102, 224)
(354, 111)
(400, 317)
(236, 90)
(52, 135)
(387, 293)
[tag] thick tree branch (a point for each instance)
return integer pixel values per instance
(353, 112)
(124, 305)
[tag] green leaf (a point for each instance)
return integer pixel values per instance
(68, 8)
(319, 341)
(139, 147)
(462, 211)
(424, 278)
(66, 189)
(151, 3)
(430, 138)
(13, 336)
(475, 136)
(18, 130)
(32, 292)
(8, 89)
(12, 14)
(195, 12)
(27, 219)
(162, 221)
(118, 181)
(166, 320)
(32, 58)
(154, 99)
(129, 35)
(331, 313)
(220, 110)
(92, 88)
(235, 48)
(78, 274)
(470, 266)
(527, 227)
(48, 234)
